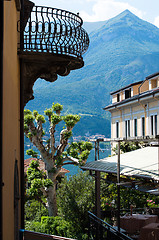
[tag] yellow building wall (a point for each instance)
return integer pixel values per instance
(122, 95)
(132, 111)
(114, 98)
(144, 87)
(11, 115)
(136, 90)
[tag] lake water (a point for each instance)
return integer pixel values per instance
(74, 169)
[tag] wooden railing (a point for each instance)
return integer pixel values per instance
(28, 235)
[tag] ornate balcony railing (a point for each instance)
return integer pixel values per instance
(54, 31)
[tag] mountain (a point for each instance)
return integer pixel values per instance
(122, 50)
(92, 26)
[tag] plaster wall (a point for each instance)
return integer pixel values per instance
(132, 111)
(11, 114)
(136, 89)
(144, 87)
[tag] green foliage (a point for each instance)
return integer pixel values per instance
(55, 119)
(27, 112)
(67, 134)
(86, 146)
(51, 225)
(26, 128)
(40, 118)
(152, 204)
(32, 153)
(73, 153)
(28, 118)
(75, 198)
(48, 112)
(84, 155)
(34, 210)
(33, 193)
(57, 107)
(79, 150)
(47, 183)
(33, 165)
(29, 135)
(37, 181)
(128, 197)
(71, 120)
(128, 146)
(35, 113)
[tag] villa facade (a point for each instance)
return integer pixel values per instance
(135, 109)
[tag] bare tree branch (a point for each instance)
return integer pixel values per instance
(52, 140)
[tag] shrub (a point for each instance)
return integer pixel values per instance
(51, 225)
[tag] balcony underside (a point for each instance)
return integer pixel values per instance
(52, 44)
(45, 66)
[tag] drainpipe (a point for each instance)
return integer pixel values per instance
(1, 107)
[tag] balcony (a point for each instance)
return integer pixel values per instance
(52, 43)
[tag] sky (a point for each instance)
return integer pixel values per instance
(100, 10)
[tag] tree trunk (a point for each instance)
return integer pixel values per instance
(51, 200)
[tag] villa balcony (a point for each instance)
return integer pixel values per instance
(52, 43)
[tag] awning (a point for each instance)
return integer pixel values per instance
(143, 163)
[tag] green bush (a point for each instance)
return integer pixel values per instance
(34, 211)
(75, 198)
(51, 225)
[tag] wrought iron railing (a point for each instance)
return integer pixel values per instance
(54, 31)
(98, 229)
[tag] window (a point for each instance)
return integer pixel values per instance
(143, 126)
(154, 125)
(127, 128)
(117, 129)
(135, 127)
(128, 93)
(153, 83)
(118, 97)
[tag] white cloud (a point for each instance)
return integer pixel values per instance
(93, 10)
(156, 22)
(106, 9)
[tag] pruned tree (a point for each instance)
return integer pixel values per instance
(55, 156)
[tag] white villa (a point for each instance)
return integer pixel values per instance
(135, 109)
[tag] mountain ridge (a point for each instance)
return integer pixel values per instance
(123, 50)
